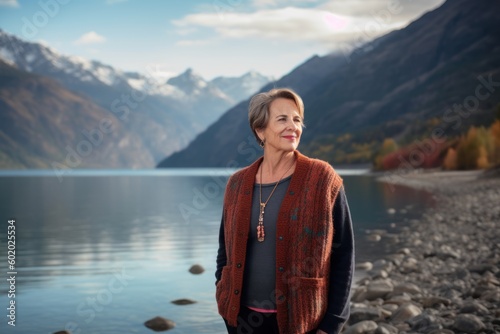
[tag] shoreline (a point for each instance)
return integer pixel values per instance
(445, 275)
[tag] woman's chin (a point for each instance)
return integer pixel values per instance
(290, 148)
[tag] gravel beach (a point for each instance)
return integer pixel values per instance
(445, 275)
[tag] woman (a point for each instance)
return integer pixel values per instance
(286, 247)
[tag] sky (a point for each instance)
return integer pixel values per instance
(213, 37)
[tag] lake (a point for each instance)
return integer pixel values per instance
(104, 251)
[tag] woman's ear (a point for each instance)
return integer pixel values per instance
(260, 133)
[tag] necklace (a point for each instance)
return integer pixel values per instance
(260, 226)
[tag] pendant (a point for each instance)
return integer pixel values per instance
(260, 226)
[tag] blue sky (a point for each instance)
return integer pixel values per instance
(214, 37)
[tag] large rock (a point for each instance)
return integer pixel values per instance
(159, 324)
(378, 289)
(468, 323)
(362, 327)
(405, 312)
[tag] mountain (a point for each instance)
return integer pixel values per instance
(229, 141)
(402, 85)
(240, 88)
(44, 125)
(413, 74)
(165, 116)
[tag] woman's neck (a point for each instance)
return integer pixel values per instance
(276, 166)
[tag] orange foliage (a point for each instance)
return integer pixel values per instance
(450, 161)
(421, 154)
(495, 133)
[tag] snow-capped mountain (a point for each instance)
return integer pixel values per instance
(44, 60)
(165, 115)
(240, 88)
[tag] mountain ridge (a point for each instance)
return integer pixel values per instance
(399, 87)
(163, 116)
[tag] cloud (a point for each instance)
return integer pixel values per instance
(289, 23)
(328, 23)
(9, 3)
(395, 10)
(90, 38)
(193, 42)
(277, 3)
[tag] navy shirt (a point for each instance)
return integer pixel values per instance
(259, 281)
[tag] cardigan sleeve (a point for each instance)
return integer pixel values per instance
(341, 268)
(221, 253)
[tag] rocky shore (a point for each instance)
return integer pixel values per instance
(445, 276)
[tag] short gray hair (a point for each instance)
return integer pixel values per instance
(258, 110)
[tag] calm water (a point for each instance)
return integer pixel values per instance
(102, 252)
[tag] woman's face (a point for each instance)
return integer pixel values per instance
(284, 127)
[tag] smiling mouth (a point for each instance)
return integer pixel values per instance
(290, 137)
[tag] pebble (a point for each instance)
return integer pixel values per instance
(159, 324)
(364, 266)
(468, 323)
(364, 313)
(367, 326)
(472, 306)
(183, 301)
(379, 289)
(196, 269)
(409, 288)
(405, 312)
(443, 275)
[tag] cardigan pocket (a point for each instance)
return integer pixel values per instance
(308, 303)
(222, 291)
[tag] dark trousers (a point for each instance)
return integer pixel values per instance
(253, 322)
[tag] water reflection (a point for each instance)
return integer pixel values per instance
(74, 237)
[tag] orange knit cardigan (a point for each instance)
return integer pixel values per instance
(304, 238)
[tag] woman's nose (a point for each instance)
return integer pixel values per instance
(292, 125)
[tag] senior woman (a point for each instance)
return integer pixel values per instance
(286, 246)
